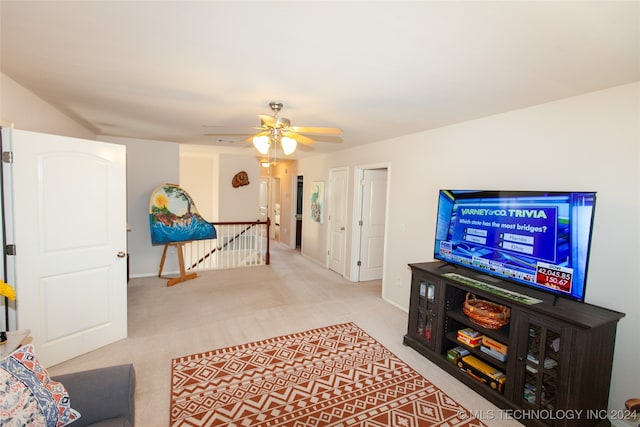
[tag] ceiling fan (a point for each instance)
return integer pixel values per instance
(276, 129)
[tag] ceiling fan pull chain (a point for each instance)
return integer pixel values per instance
(275, 152)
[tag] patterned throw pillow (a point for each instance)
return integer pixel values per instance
(29, 396)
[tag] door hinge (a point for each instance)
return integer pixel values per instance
(360, 223)
(359, 263)
(7, 156)
(10, 249)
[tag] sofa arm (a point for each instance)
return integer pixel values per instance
(101, 394)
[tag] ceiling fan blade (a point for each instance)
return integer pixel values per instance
(316, 130)
(228, 134)
(328, 138)
(300, 138)
(250, 137)
(305, 147)
(267, 121)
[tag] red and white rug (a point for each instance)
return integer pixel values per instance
(332, 376)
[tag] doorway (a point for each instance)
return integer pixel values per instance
(299, 201)
(263, 209)
(275, 208)
(270, 204)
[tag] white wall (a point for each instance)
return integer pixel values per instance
(199, 177)
(149, 164)
(314, 235)
(241, 203)
(589, 142)
(26, 111)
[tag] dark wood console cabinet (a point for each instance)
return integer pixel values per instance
(560, 352)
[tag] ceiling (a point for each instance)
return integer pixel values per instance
(175, 70)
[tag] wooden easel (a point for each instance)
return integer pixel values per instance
(183, 276)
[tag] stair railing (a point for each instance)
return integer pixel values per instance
(238, 244)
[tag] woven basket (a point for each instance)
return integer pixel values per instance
(487, 314)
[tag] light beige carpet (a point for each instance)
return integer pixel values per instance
(223, 308)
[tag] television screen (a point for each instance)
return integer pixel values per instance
(533, 238)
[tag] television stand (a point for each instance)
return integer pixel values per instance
(556, 357)
(448, 264)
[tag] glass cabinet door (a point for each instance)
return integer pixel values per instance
(542, 367)
(425, 328)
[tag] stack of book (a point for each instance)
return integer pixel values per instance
(483, 372)
(470, 337)
(454, 354)
(494, 348)
(548, 363)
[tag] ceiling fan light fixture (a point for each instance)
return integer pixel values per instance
(288, 145)
(261, 143)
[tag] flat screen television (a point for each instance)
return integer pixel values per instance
(538, 239)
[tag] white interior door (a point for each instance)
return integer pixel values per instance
(337, 219)
(68, 207)
(374, 206)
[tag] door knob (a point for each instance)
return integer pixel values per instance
(121, 254)
(341, 228)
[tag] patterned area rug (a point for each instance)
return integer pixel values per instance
(332, 376)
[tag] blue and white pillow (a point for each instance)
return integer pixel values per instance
(28, 396)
